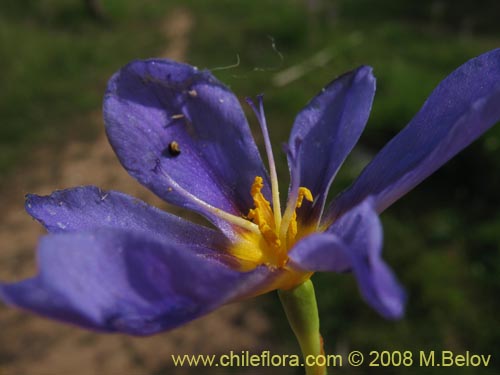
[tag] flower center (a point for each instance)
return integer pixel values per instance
(272, 244)
(265, 235)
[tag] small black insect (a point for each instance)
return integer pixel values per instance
(174, 149)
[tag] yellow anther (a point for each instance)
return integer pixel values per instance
(292, 229)
(303, 193)
(268, 247)
(262, 214)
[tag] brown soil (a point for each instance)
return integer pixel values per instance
(32, 345)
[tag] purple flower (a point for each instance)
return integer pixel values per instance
(113, 263)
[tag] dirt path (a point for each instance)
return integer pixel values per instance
(31, 345)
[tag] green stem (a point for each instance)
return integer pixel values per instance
(301, 310)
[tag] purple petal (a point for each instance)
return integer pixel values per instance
(326, 130)
(151, 104)
(87, 208)
(461, 108)
(117, 281)
(354, 242)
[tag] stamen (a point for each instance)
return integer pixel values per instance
(292, 227)
(289, 214)
(303, 193)
(272, 166)
(230, 218)
(262, 214)
(296, 196)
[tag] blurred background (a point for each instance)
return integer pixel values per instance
(442, 240)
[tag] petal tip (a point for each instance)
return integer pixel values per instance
(30, 200)
(395, 309)
(364, 72)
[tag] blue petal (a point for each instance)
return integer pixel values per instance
(151, 104)
(117, 281)
(87, 208)
(325, 132)
(461, 108)
(354, 242)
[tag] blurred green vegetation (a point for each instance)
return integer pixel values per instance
(442, 240)
(55, 60)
